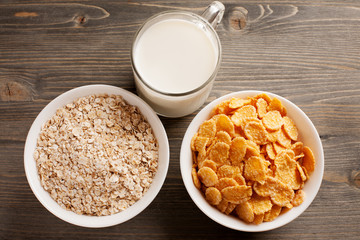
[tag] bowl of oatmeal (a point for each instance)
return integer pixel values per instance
(96, 156)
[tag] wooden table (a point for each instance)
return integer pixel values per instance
(305, 51)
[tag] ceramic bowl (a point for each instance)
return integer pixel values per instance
(95, 221)
(307, 134)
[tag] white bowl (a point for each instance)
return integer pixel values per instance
(95, 221)
(307, 134)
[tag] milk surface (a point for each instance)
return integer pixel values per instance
(175, 56)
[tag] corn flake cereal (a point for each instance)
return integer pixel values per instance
(299, 198)
(219, 153)
(200, 144)
(224, 137)
(222, 206)
(301, 172)
(270, 151)
(236, 194)
(239, 117)
(213, 196)
(245, 212)
(239, 178)
(255, 169)
(261, 107)
(308, 160)
(276, 105)
(278, 148)
(238, 102)
(286, 169)
(273, 120)
(248, 160)
(272, 214)
(230, 208)
(193, 142)
(259, 204)
(207, 129)
(256, 132)
(228, 171)
(222, 108)
(258, 219)
(226, 182)
(252, 149)
(297, 148)
(195, 178)
(273, 135)
(280, 193)
(263, 96)
(290, 128)
(283, 139)
(207, 176)
(223, 123)
(237, 150)
(208, 163)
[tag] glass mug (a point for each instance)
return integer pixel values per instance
(175, 58)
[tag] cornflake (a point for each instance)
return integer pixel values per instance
(97, 155)
(248, 160)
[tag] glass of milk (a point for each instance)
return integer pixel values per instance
(175, 58)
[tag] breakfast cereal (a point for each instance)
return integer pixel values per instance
(97, 155)
(248, 160)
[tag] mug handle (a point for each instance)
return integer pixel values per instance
(214, 13)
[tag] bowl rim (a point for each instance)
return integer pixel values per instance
(95, 221)
(229, 221)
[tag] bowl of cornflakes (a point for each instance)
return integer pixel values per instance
(252, 161)
(96, 156)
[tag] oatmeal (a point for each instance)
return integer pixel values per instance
(97, 155)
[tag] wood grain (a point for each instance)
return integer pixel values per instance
(305, 51)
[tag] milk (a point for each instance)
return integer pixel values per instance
(175, 56)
